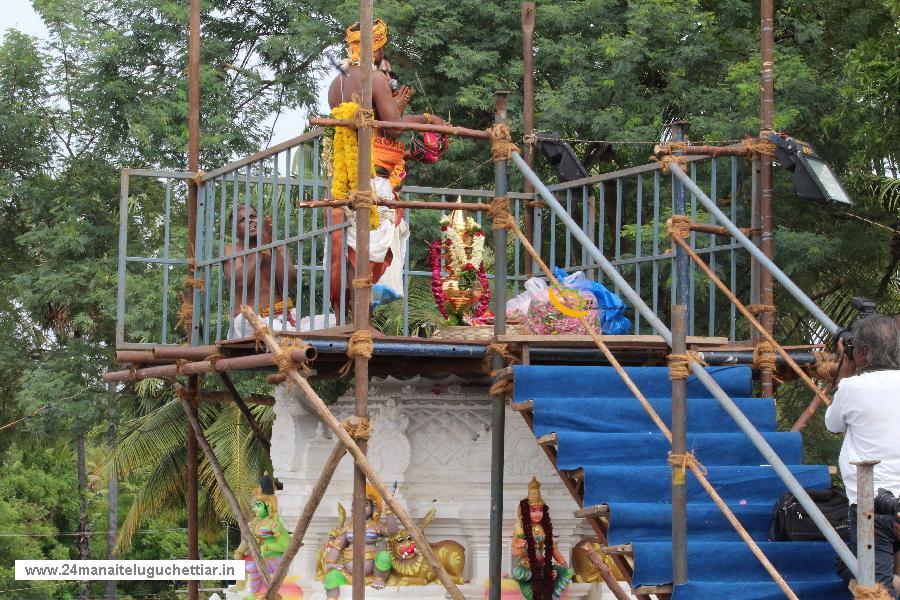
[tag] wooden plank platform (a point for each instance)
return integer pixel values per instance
(588, 512)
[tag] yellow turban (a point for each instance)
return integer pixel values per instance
(379, 38)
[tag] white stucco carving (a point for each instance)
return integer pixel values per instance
(433, 439)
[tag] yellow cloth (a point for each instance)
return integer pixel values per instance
(379, 38)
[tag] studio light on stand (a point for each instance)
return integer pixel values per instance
(813, 178)
(560, 155)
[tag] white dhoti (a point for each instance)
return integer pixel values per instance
(392, 234)
(240, 328)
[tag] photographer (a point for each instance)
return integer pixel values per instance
(866, 408)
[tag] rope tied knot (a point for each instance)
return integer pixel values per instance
(501, 388)
(363, 118)
(260, 335)
(498, 210)
(686, 461)
(198, 178)
(194, 283)
(757, 309)
(286, 364)
(358, 428)
(871, 593)
(680, 364)
(501, 142)
(501, 350)
(361, 344)
(679, 226)
(179, 366)
(185, 314)
(764, 356)
(757, 147)
(824, 368)
(214, 358)
(669, 159)
(362, 200)
(362, 282)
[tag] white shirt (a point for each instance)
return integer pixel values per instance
(867, 408)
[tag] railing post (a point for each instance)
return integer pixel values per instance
(865, 522)
(498, 419)
(679, 389)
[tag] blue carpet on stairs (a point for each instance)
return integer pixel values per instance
(604, 430)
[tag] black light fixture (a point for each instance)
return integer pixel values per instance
(560, 155)
(813, 178)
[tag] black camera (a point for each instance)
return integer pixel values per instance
(864, 308)
(886, 503)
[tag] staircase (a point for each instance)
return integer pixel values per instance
(614, 461)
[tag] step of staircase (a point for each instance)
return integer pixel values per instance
(589, 424)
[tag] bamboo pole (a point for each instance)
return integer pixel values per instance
(755, 323)
(469, 206)
(694, 466)
(316, 404)
(478, 134)
(315, 497)
(362, 293)
(245, 410)
(611, 582)
(223, 484)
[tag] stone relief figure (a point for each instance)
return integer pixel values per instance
(271, 536)
(534, 551)
(408, 566)
(339, 559)
(329, 543)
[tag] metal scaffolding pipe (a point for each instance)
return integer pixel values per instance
(705, 378)
(764, 260)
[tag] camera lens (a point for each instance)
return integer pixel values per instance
(886, 503)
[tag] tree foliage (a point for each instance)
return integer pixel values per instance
(107, 90)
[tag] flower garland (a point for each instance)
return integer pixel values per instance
(485, 292)
(457, 247)
(346, 159)
(434, 252)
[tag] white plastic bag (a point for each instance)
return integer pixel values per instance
(535, 290)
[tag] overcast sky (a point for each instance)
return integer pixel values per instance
(19, 14)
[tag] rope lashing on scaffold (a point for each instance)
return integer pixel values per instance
(361, 344)
(286, 364)
(360, 430)
(758, 309)
(363, 118)
(198, 178)
(502, 146)
(534, 204)
(823, 368)
(498, 210)
(679, 226)
(757, 147)
(686, 461)
(680, 364)
(669, 159)
(362, 200)
(260, 337)
(871, 593)
(496, 349)
(764, 356)
(501, 388)
(361, 283)
(214, 358)
(185, 314)
(179, 366)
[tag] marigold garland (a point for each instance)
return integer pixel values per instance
(346, 159)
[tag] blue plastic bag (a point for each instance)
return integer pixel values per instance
(612, 308)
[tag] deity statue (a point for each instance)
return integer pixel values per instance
(329, 543)
(339, 559)
(409, 566)
(534, 551)
(271, 536)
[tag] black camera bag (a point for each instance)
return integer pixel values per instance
(792, 523)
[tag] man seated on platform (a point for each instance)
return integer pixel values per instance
(389, 231)
(246, 281)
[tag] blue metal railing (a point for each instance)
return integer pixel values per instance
(622, 212)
